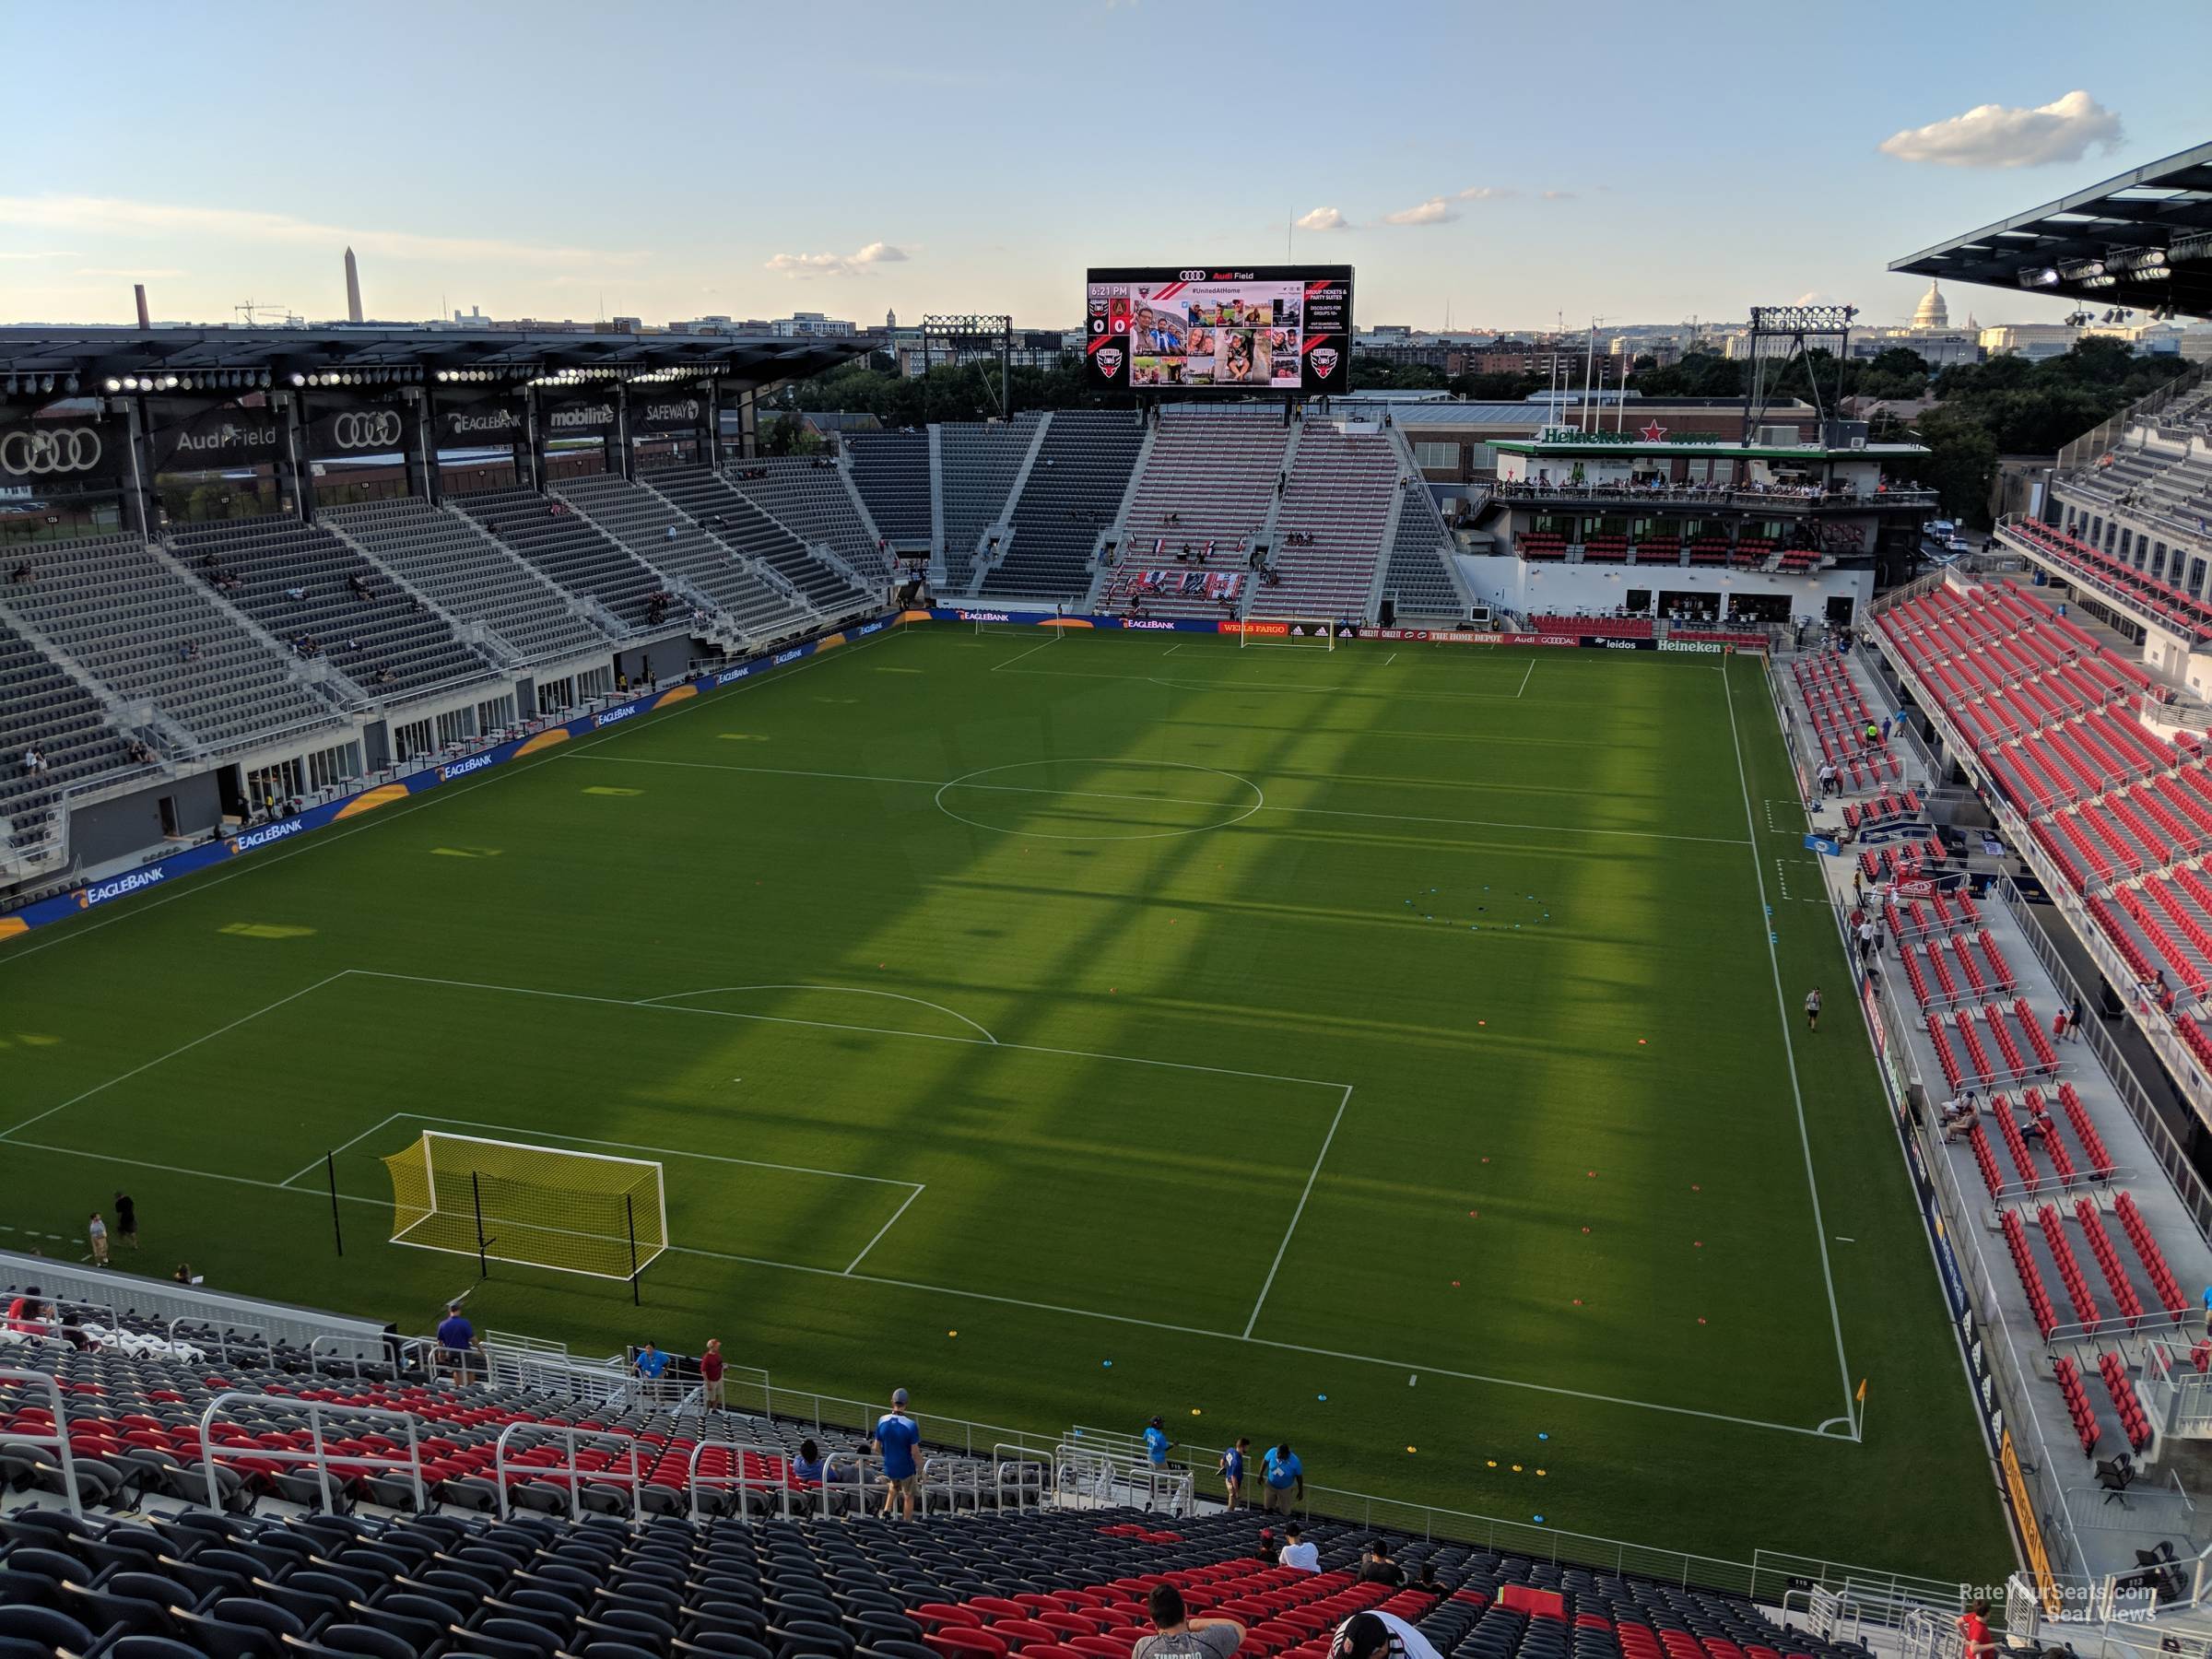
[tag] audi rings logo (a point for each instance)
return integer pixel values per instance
(367, 428)
(1190, 275)
(33, 454)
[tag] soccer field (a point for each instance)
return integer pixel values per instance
(1397, 1026)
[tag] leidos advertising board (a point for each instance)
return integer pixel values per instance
(1265, 328)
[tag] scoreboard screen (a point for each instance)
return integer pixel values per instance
(1265, 328)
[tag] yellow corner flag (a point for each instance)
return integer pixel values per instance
(1862, 1391)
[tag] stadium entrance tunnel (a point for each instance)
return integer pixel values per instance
(1095, 800)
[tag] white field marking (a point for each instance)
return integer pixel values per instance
(330, 836)
(966, 780)
(1390, 659)
(1782, 877)
(1524, 674)
(1011, 1301)
(1331, 689)
(357, 1140)
(661, 1004)
(881, 1231)
(850, 990)
(181, 1048)
(1789, 1046)
(1172, 650)
(1841, 1240)
(1852, 1425)
(1040, 644)
(1311, 1175)
(1401, 818)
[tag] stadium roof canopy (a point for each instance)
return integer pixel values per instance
(247, 358)
(2142, 240)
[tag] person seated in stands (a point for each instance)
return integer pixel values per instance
(295, 592)
(808, 1465)
(1959, 1114)
(1377, 1567)
(2039, 1127)
(1298, 1554)
(1177, 1635)
(385, 677)
(22, 573)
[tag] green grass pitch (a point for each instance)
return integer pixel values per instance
(1393, 1025)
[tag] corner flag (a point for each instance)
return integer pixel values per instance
(1862, 1396)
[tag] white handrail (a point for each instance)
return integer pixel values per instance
(317, 1411)
(738, 1479)
(58, 1440)
(571, 1438)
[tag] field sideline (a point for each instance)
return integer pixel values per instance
(1400, 1026)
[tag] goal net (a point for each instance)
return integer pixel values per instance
(1297, 631)
(528, 1205)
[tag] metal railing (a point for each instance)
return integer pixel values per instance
(571, 1441)
(58, 1440)
(319, 1413)
(777, 1480)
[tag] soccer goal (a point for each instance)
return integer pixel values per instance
(1300, 632)
(1036, 633)
(529, 1206)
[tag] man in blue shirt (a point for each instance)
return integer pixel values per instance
(649, 1364)
(456, 1337)
(1156, 1443)
(1283, 1473)
(896, 1438)
(1232, 1470)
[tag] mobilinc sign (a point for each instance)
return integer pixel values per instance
(592, 418)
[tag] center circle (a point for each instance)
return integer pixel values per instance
(1129, 800)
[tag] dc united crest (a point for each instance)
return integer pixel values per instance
(1325, 361)
(1110, 361)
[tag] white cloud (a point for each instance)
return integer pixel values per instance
(1993, 136)
(130, 273)
(1434, 211)
(836, 265)
(1324, 218)
(120, 216)
(1558, 196)
(1488, 193)
(49, 253)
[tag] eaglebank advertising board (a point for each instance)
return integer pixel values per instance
(247, 842)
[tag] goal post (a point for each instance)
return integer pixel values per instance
(529, 1206)
(1307, 631)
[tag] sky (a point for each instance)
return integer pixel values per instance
(1505, 165)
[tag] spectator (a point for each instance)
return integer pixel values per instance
(96, 1232)
(183, 1275)
(456, 1338)
(710, 1375)
(1974, 1640)
(1232, 1470)
(1296, 1552)
(1156, 1443)
(1379, 1635)
(1429, 1584)
(1283, 1473)
(1176, 1635)
(1812, 1009)
(897, 1435)
(807, 1464)
(1869, 937)
(126, 1220)
(650, 1365)
(2074, 1013)
(1378, 1568)
(24, 1311)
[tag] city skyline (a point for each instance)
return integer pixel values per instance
(1469, 165)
